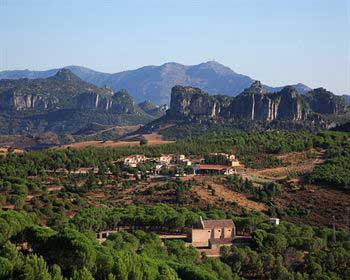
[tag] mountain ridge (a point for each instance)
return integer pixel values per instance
(155, 82)
(254, 108)
(63, 103)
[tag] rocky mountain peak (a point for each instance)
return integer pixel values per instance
(215, 67)
(147, 104)
(289, 90)
(325, 102)
(255, 88)
(66, 75)
(256, 85)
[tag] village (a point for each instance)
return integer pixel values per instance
(139, 179)
(168, 165)
(180, 165)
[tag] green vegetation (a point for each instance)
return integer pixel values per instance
(336, 170)
(53, 235)
(284, 252)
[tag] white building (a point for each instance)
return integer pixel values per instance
(274, 221)
(134, 160)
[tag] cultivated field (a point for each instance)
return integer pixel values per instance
(153, 139)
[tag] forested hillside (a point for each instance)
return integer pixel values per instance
(50, 219)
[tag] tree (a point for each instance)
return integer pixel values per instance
(82, 274)
(35, 268)
(143, 141)
(56, 272)
(5, 268)
(71, 250)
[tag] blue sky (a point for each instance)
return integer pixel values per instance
(276, 41)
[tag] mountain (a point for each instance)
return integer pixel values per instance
(324, 102)
(347, 99)
(152, 109)
(254, 103)
(62, 104)
(254, 108)
(154, 83)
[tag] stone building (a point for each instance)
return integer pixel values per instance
(213, 233)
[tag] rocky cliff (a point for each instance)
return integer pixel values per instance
(324, 102)
(63, 103)
(62, 91)
(254, 104)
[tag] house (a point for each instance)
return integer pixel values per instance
(134, 160)
(213, 233)
(274, 221)
(103, 235)
(212, 169)
(186, 162)
(165, 159)
(179, 157)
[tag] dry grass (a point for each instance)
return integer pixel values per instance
(153, 139)
(4, 151)
(223, 193)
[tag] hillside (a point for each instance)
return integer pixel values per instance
(152, 109)
(87, 214)
(63, 104)
(154, 83)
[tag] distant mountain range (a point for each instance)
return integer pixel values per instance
(67, 108)
(154, 83)
(346, 98)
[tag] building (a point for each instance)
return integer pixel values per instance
(186, 162)
(179, 157)
(134, 160)
(174, 159)
(274, 221)
(166, 159)
(212, 169)
(213, 233)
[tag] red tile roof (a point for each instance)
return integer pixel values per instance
(210, 224)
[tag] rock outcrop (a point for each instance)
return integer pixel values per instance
(18, 101)
(254, 104)
(324, 102)
(152, 109)
(62, 91)
(63, 103)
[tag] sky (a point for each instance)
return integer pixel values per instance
(276, 41)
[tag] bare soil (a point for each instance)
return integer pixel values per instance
(223, 193)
